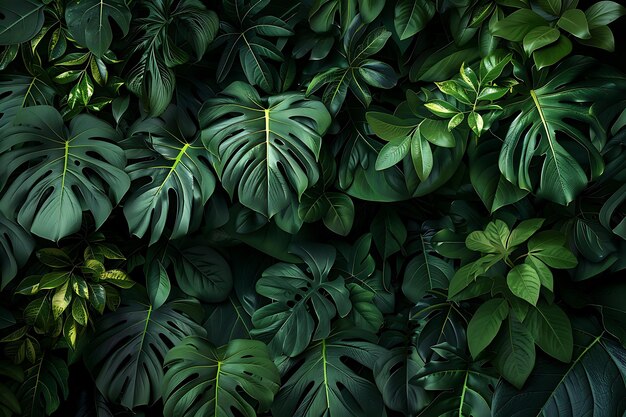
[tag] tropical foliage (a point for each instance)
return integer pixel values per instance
(312, 208)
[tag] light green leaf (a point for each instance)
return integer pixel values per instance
(539, 37)
(118, 278)
(548, 248)
(574, 21)
(516, 26)
(544, 273)
(552, 54)
(523, 231)
(485, 324)
(421, 155)
(390, 127)
(523, 281)
(61, 300)
(392, 153)
(476, 123)
(515, 352)
(551, 330)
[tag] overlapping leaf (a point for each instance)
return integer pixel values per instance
(264, 149)
(126, 355)
(50, 174)
(287, 324)
(166, 160)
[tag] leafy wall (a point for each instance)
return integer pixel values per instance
(315, 208)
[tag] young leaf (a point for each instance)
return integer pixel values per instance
(524, 282)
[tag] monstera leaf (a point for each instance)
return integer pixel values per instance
(244, 36)
(394, 371)
(16, 245)
(126, 355)
(56, 173)
(326, 380)
(466, 384)
(592, 385)
(20, 91)
(20, 21)
(543, 127)
(166, 160)
(288, 323)
(358, 267)
(264, 149)
(45, 386)
(89, 22)
(239, 376)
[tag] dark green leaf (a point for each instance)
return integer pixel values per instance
(218, 377)
(286, 123)
(126, 354)
(20, 21)
(56, 183)
(89, 22)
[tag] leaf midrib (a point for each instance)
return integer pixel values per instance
(549, 137)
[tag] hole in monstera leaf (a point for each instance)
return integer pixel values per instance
(95, 155)
(350, 363)
(290, 303)
(234, 411)
(295, 364)
(188, 379)
(172, 209)
(174, 325)
(298, 160)
(167, 342)
(396, 367)
(204, 160)
(157, 352)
